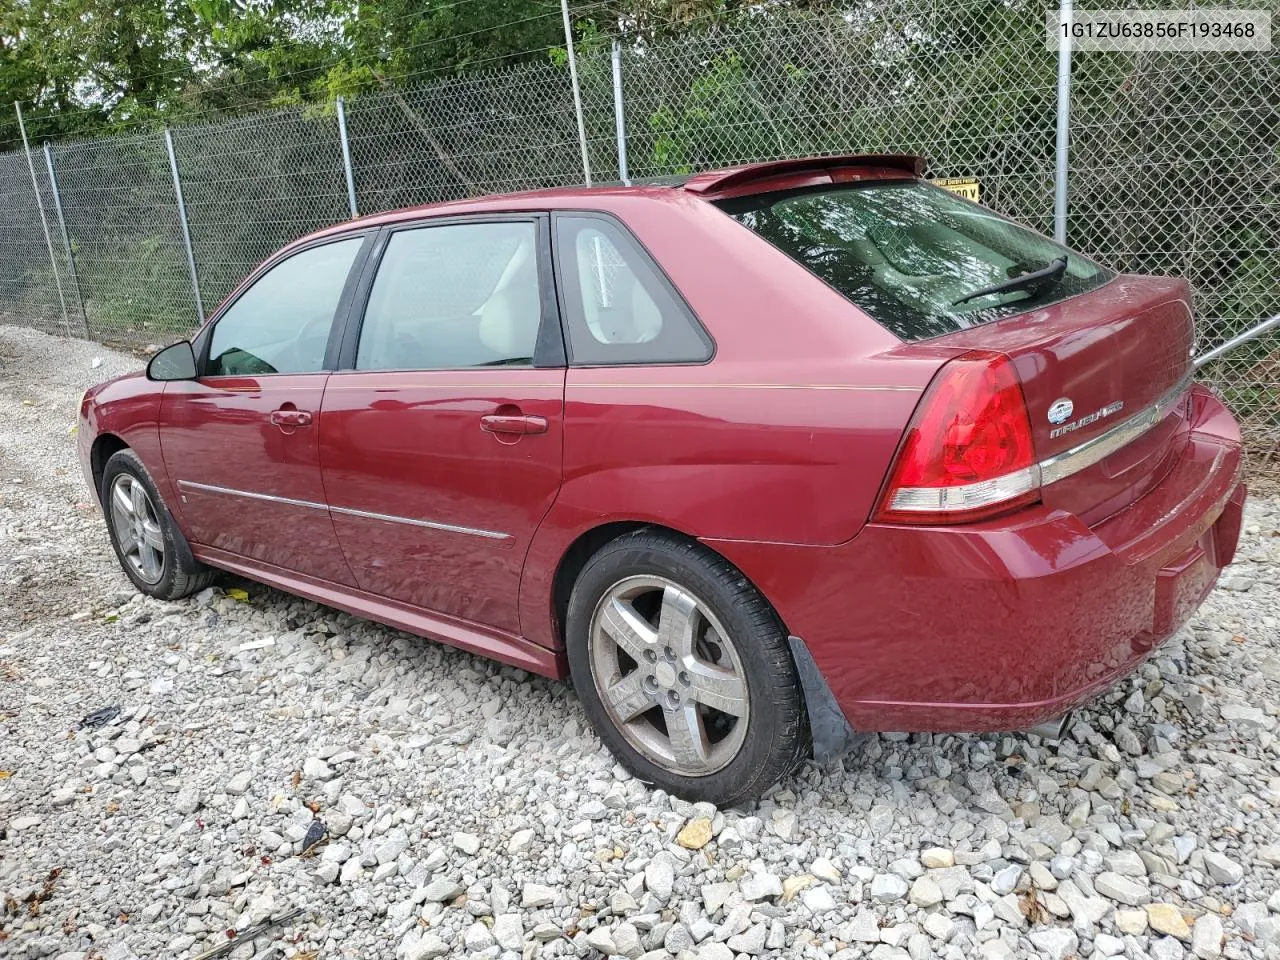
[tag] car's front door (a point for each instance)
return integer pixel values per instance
(440, 440)
(241, 441)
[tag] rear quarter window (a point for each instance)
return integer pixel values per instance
(619, 307)
(916, 258)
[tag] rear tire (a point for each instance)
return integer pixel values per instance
(151, 549)
(684, 669)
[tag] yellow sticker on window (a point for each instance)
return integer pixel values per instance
(966, 187)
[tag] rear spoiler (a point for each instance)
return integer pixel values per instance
(723, 183)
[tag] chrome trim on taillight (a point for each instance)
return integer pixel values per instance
(989, 493)
(1085, 455)
(968, 496)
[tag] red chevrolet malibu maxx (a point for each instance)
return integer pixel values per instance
(776, 452)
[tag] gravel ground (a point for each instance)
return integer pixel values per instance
(470, 813)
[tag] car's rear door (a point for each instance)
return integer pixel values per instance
(441, 434)
(241, 441)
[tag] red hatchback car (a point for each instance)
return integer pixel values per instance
(776, 451)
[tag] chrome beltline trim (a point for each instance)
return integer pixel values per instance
(385, 517)
(429, 524)
(210, 488)
(1086, 454)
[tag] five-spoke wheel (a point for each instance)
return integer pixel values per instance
(669, 675)
(149, 545)
(684, 669)
(137, 527)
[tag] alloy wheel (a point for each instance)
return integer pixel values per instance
(668, 675)
(137, 528)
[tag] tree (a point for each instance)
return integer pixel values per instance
(87, 66)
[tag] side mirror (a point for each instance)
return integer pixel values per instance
(176, 362)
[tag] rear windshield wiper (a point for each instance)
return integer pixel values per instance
(1029, 279)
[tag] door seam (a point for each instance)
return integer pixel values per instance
(328, 506)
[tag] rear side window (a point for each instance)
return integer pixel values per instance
(619, 308)
(915, 257)
(454, 296)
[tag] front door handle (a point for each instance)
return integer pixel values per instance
(513, 423)
(291, 418)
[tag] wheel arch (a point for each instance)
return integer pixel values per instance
(576, 556)
(105, 446)
(586, 545)
(829, 731)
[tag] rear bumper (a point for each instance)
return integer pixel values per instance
(1005, 624)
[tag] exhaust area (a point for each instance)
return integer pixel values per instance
(1051, 729)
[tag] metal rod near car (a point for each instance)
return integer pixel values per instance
(1253, 333)
(44, 223)
(577, 93)
(619, 114)
(348, 172)
(66, 238)
(184, 224)
(1065, 15)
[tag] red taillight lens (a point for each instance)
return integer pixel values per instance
(968, 453)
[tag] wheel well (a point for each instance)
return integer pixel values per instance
(581, 551)
(104, 448)
(576, 557)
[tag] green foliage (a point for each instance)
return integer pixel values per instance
(84, 67)
(1174, 157)
(138, 304)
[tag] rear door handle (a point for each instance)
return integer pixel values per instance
(291, 418)
(513, 423)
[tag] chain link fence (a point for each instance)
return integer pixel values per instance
(121, 214)
(28, 284)
(1174, 163)
(485, 133)
(253, 184)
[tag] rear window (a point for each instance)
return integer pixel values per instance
(915, 257)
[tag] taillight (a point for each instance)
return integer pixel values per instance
(968, 453)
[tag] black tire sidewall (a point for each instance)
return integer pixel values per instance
(770, 726)
(125, 461)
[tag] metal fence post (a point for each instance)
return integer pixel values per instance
(182, 222)
(44, 222)
(1064, 122)
(346, 158)
(66, 237)
(577, 93)
(619, 117)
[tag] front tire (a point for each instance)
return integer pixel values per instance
(684, 669)
(151, 549)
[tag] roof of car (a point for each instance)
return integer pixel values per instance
(710, 185)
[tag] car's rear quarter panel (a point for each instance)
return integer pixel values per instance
(1001, 624)
(785, 435)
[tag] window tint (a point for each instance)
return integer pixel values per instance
(281, 323)
(620, 309)
(915, 257)
(454, 296)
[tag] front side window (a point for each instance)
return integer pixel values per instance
(919, 260)
(281, 323)
(454, 296)
(620, 309)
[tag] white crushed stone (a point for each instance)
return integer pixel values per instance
(471, 813)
